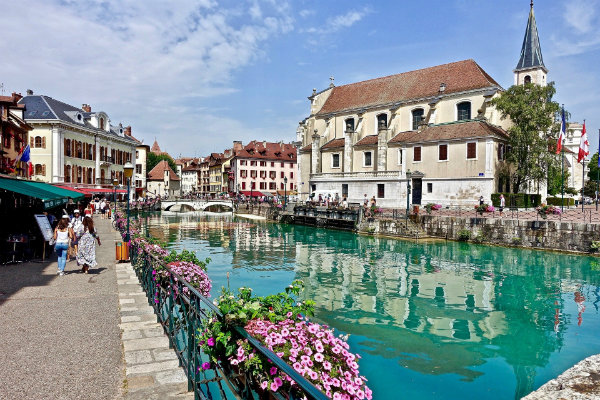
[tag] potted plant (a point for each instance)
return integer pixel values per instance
(544, 210)
(432, 207)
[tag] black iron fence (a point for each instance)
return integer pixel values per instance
(182, 313)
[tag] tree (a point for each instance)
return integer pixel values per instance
(153, 159)
(556, 181)
(593, 163)
(534, 117)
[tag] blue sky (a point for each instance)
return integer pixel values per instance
(203, 73)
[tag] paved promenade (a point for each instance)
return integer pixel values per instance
(82, 336)
(59, 335)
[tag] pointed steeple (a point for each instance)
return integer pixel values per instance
(531, 52)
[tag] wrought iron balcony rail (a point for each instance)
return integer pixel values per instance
(181, 314)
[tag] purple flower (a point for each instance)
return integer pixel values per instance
(205, 366)
(273, 371)
(278, 381)
(211, 342)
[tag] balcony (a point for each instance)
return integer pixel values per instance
(106, 161)
(358, 176)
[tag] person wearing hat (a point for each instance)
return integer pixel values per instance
(62, 235)
(75, 223)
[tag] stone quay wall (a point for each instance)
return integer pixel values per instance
(551, 235)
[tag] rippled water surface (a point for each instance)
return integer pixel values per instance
(431, 320)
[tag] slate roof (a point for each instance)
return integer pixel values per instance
(423, 83)
(158, 172)
(333, 144)
(453, 130)
(531, 52)
(367, 141)
(40, 107)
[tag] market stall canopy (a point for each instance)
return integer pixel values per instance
(51, 196)
(91, 190)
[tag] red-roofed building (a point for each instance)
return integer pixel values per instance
(14, 135)
(432, 128)
(163, 181)
(263, 168)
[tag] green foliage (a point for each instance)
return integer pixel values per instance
(479, 238)
(187, 256)
(556, 180)
(153, 159)
(216, 339)
(595, 246)
(590, 188)
(534, 116)
(464, 235)
(593, 164)
(556, 201)
(517, 241)
(519, 200)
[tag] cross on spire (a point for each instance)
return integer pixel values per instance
(331, 78)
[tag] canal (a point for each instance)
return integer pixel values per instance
(430, 320)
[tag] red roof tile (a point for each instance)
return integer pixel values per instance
(333, 144)
(158, 172)
(458, 76)
(308, 147)
(455, 130)
(367, 141)
(268, 151)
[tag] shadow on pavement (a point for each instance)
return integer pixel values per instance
(14, 277)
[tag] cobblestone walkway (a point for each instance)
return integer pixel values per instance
(152, 368)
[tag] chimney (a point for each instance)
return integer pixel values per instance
(86, 107)
(127, 130)
(29, 92)
(16, 97)
(237, 145)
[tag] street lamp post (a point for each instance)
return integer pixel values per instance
(284, 192)
(115, 184)
(128, 172)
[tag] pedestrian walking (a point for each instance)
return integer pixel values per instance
(103, 208)
(502, 204)
(74, 225)
(480, 200)
(62, 235)
(87, 238)
(89, 210)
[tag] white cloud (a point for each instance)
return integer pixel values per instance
(581, 34)
(579, 14)
(306, 13)
(339, 22)
(136, 59)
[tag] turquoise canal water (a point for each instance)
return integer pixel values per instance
(431, 320)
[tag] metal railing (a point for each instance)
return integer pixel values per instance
(182, 314)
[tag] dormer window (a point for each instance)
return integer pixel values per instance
(79, 117)
(417, 117)
(101, 123)
(382, 121)
(463, 111)
(349, 124)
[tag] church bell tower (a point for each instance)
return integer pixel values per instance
(531, 68)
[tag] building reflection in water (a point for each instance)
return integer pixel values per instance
(437, 308)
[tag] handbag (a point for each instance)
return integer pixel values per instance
(52, 241)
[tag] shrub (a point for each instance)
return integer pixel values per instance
(544, 210)
(484, 208)
(557, 201)
(595, 246)
(464, 235)
(432, 207)
(479, 238)
(519, 200)
(517, 241)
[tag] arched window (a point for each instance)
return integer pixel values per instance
(89, 175)
(101, 123)
(79, 174)
(527, 79)
(38, 141)
(417, 117)
(382, 121)
(463, 111)
(38, 169)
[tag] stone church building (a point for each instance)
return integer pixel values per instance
(432, 129)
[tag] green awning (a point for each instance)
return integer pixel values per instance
(75, 195)
(50, 195)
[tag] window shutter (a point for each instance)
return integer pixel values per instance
(417, 153)
(471, 150)
(31, 142)
(43, 143)
(65, 146)
(44, 169)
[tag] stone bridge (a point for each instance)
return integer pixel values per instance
(196, 205)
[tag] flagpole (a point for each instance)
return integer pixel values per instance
(598, 173)
(562, 163)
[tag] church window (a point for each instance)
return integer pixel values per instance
(349, 124)
(527, 79)
(416, 153)
(463, 111)
(382, 121)
(471, 150)
(417, 117)
(367, 158)
(335, 160)
(443, 152)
